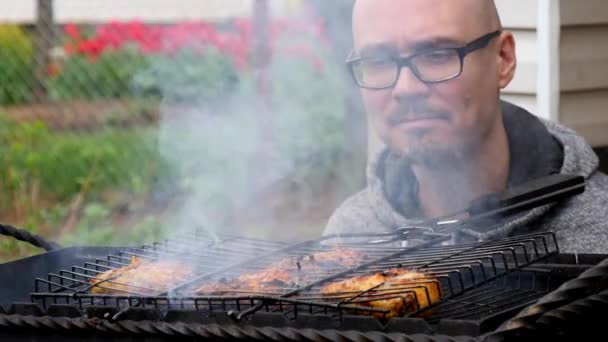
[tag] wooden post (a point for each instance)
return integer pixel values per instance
(262, 58)
(338, 18)
(45, 38)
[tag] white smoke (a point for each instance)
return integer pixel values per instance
(214, 143)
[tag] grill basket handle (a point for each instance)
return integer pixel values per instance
(24, 235)
(577, 299)
(529, 195)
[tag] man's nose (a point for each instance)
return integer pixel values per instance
(408, 85)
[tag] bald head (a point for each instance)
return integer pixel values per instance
(473, 15)
(464, 99)
(490, 13)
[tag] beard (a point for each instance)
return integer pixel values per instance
(449, 143)
(429, 157)
(423, 150)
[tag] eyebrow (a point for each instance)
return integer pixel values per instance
(387, 48)
(379, 49)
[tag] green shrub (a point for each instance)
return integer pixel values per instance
(94, 229)
(109, 76)
(217, 158)
(61, 163)
(16, 65)
(58, 166)
(310, 110)
(188, 76)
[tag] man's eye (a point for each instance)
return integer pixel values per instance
(439, 56)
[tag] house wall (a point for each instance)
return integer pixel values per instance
(24, 11)
(521, 18)
(583, 63)
(584, 68)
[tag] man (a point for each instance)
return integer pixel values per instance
(430, 73)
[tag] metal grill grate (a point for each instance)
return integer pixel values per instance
(458, 269)
(514, 291)
(204, 252)
(476, 280)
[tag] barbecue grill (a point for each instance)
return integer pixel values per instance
(495, 290)
(485, 285)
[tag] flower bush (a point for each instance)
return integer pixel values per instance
(16, 62)
(108, 76)
(211, 64)
(211, 68)
(189, 58)
(188, 76)
(190, 62)
(217, 157)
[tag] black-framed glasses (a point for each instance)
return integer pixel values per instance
(434, 66)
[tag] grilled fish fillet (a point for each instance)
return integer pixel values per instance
(142, 277)
(397, 290)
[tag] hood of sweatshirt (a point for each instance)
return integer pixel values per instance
(538, 148)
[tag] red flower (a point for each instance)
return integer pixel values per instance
(151, 45)
(318, 65)
(136, 31)
(97, 47)
(91, 48)
(72, 31)
(69, 48)
(243, 25)
(52, 70)
(84, 47)
(169, 40)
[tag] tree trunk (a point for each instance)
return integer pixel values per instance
(262, 59)
(45, 38)
(337, 15)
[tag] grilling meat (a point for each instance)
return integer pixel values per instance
(287, 273)
(397, 290)
(339, 257)
(263, 282)
(142, 277)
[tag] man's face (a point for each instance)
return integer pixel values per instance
(430, 121)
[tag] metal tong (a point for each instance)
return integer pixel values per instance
(530, 195)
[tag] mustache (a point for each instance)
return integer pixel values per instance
(415, 111)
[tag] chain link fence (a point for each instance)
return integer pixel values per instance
(111, 128)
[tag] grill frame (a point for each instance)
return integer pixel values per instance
(224, 247)
(28, 320)
(22, 325)
(292, 303)
(438, 255)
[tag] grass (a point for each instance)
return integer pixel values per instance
(72, 187)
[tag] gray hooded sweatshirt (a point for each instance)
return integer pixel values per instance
(538, 148)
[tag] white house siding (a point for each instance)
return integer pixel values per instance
(582, 58)
(520, 17)
(23, 11)
(584, 68)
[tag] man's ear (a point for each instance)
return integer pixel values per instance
(506, 58)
